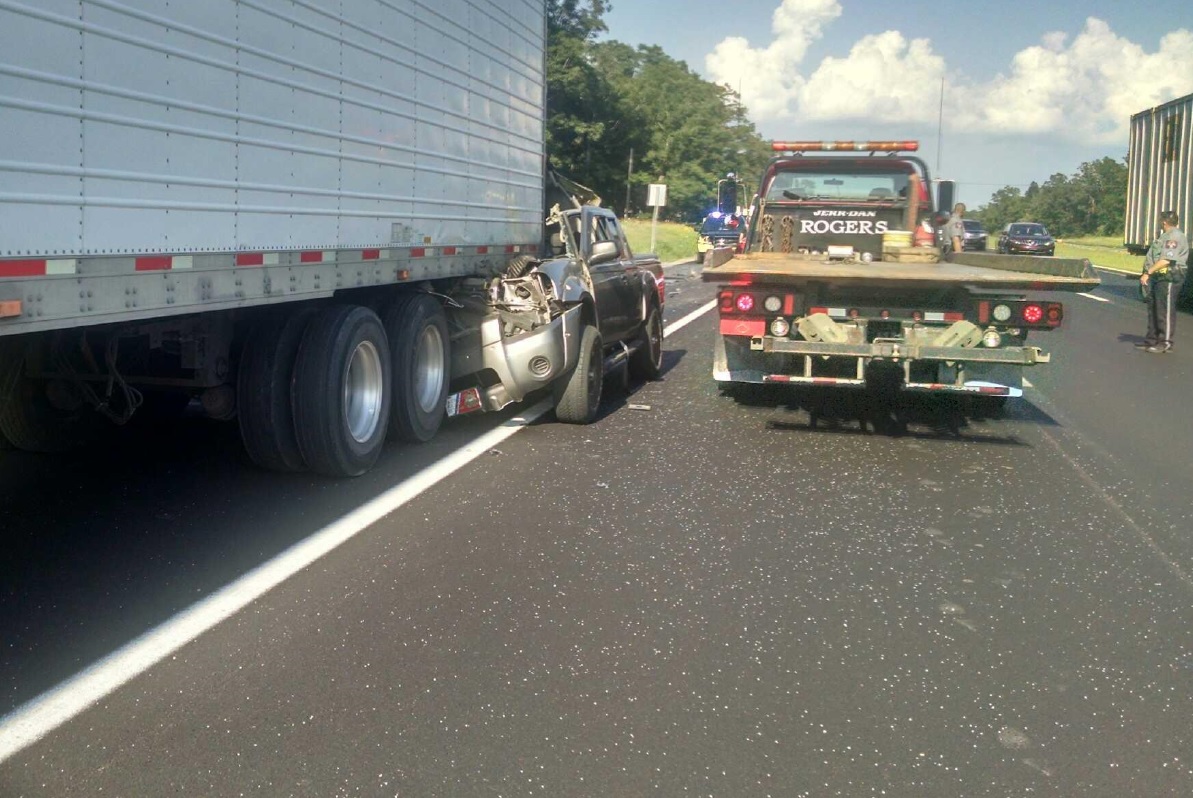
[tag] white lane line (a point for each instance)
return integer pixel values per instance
(29, 723)
(32, 721)
(1093, 297)
(676, 326)
(1027, 383)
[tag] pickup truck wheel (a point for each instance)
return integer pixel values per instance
(647, 361)
(37, 416)
(265, 412)
(419, 342)
(578, 393)
(340, 392)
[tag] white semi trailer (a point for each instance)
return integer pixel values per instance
(1159, 170)
(318, 218)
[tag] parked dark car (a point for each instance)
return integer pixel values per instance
(975, 235)
(1026, 238)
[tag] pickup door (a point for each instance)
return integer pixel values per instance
(614, 275)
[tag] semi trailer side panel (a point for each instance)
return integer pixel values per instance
(137, 127)
(1159, 170)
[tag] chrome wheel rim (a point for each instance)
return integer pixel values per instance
(364, 389)
(430, 371)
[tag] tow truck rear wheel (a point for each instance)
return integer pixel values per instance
(265, 413)
(647, 361)
(341, 391)
(420, 346)
(578, 393)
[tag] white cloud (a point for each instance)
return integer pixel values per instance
(769, 77)
(1084, 90)
(884, 78)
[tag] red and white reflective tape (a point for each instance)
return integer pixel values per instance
(38, 267)
(317, 256)
(48, 267)
(258, 259)
(158, 263)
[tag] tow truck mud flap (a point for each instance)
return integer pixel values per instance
(531, 360)
(723, 370)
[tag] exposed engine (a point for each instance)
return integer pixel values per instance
(524, 303)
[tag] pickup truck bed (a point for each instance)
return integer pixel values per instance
(969, 269)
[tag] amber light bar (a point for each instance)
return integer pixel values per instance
(845, 146)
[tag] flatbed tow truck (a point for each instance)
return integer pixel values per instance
(841, 285)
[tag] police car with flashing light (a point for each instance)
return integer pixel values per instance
(719, 230)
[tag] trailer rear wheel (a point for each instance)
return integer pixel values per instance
(647, 361)
(40, 415)
(418, 339)
(578, 393)
(263, 401)
(341, 391)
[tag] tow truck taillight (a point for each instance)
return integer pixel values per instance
(741, 301)
(1041, 315)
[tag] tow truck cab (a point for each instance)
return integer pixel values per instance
(842, 205)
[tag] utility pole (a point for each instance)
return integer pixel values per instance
(625, 211)
(939, 125)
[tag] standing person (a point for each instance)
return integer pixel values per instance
(1164, 270)
(954, 229)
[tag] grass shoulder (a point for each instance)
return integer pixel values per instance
(673, 241)
(1106, 252)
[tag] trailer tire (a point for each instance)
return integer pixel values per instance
(421, 351)
(700, 257)
(578, 393)
(647, 361)
(265, 410)
(340, 392)
(30, 421)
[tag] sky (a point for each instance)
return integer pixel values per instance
(1030, 89)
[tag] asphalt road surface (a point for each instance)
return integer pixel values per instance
(692, 596)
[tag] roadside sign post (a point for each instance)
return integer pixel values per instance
(656, 197)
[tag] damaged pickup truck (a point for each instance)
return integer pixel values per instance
(587, 309)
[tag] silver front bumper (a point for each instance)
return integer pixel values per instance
(532, 360)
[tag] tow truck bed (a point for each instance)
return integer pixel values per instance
(969, 269)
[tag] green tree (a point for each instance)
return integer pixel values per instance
(606, 100)
(1102, 187)
(696, 132)
(1005, 206)
(580, 102)
(1092, 201)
